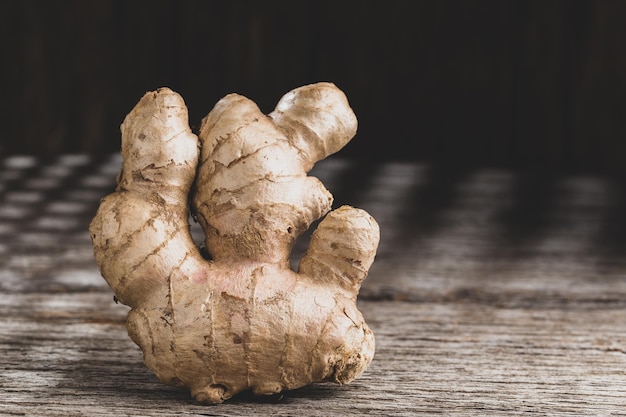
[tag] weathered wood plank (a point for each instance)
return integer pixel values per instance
(494, 293)
(68, 354)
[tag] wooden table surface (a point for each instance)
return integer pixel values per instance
(494, 292)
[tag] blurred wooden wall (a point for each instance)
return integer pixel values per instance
(510, 83)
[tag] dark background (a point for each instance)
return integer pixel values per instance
(532, 84)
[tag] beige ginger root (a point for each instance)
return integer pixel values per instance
(242, 320)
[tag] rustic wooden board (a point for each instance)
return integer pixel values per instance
(494, 293)
(68, 354)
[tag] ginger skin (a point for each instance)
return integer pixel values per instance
(242, 320)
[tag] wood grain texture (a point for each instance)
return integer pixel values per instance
(69, 355)
(495, 293)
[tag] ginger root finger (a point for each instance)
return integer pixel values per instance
(342, 248)
(140, 232)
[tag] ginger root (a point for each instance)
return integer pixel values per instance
(243, 319)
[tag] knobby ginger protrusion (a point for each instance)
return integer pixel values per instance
(242, 320)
